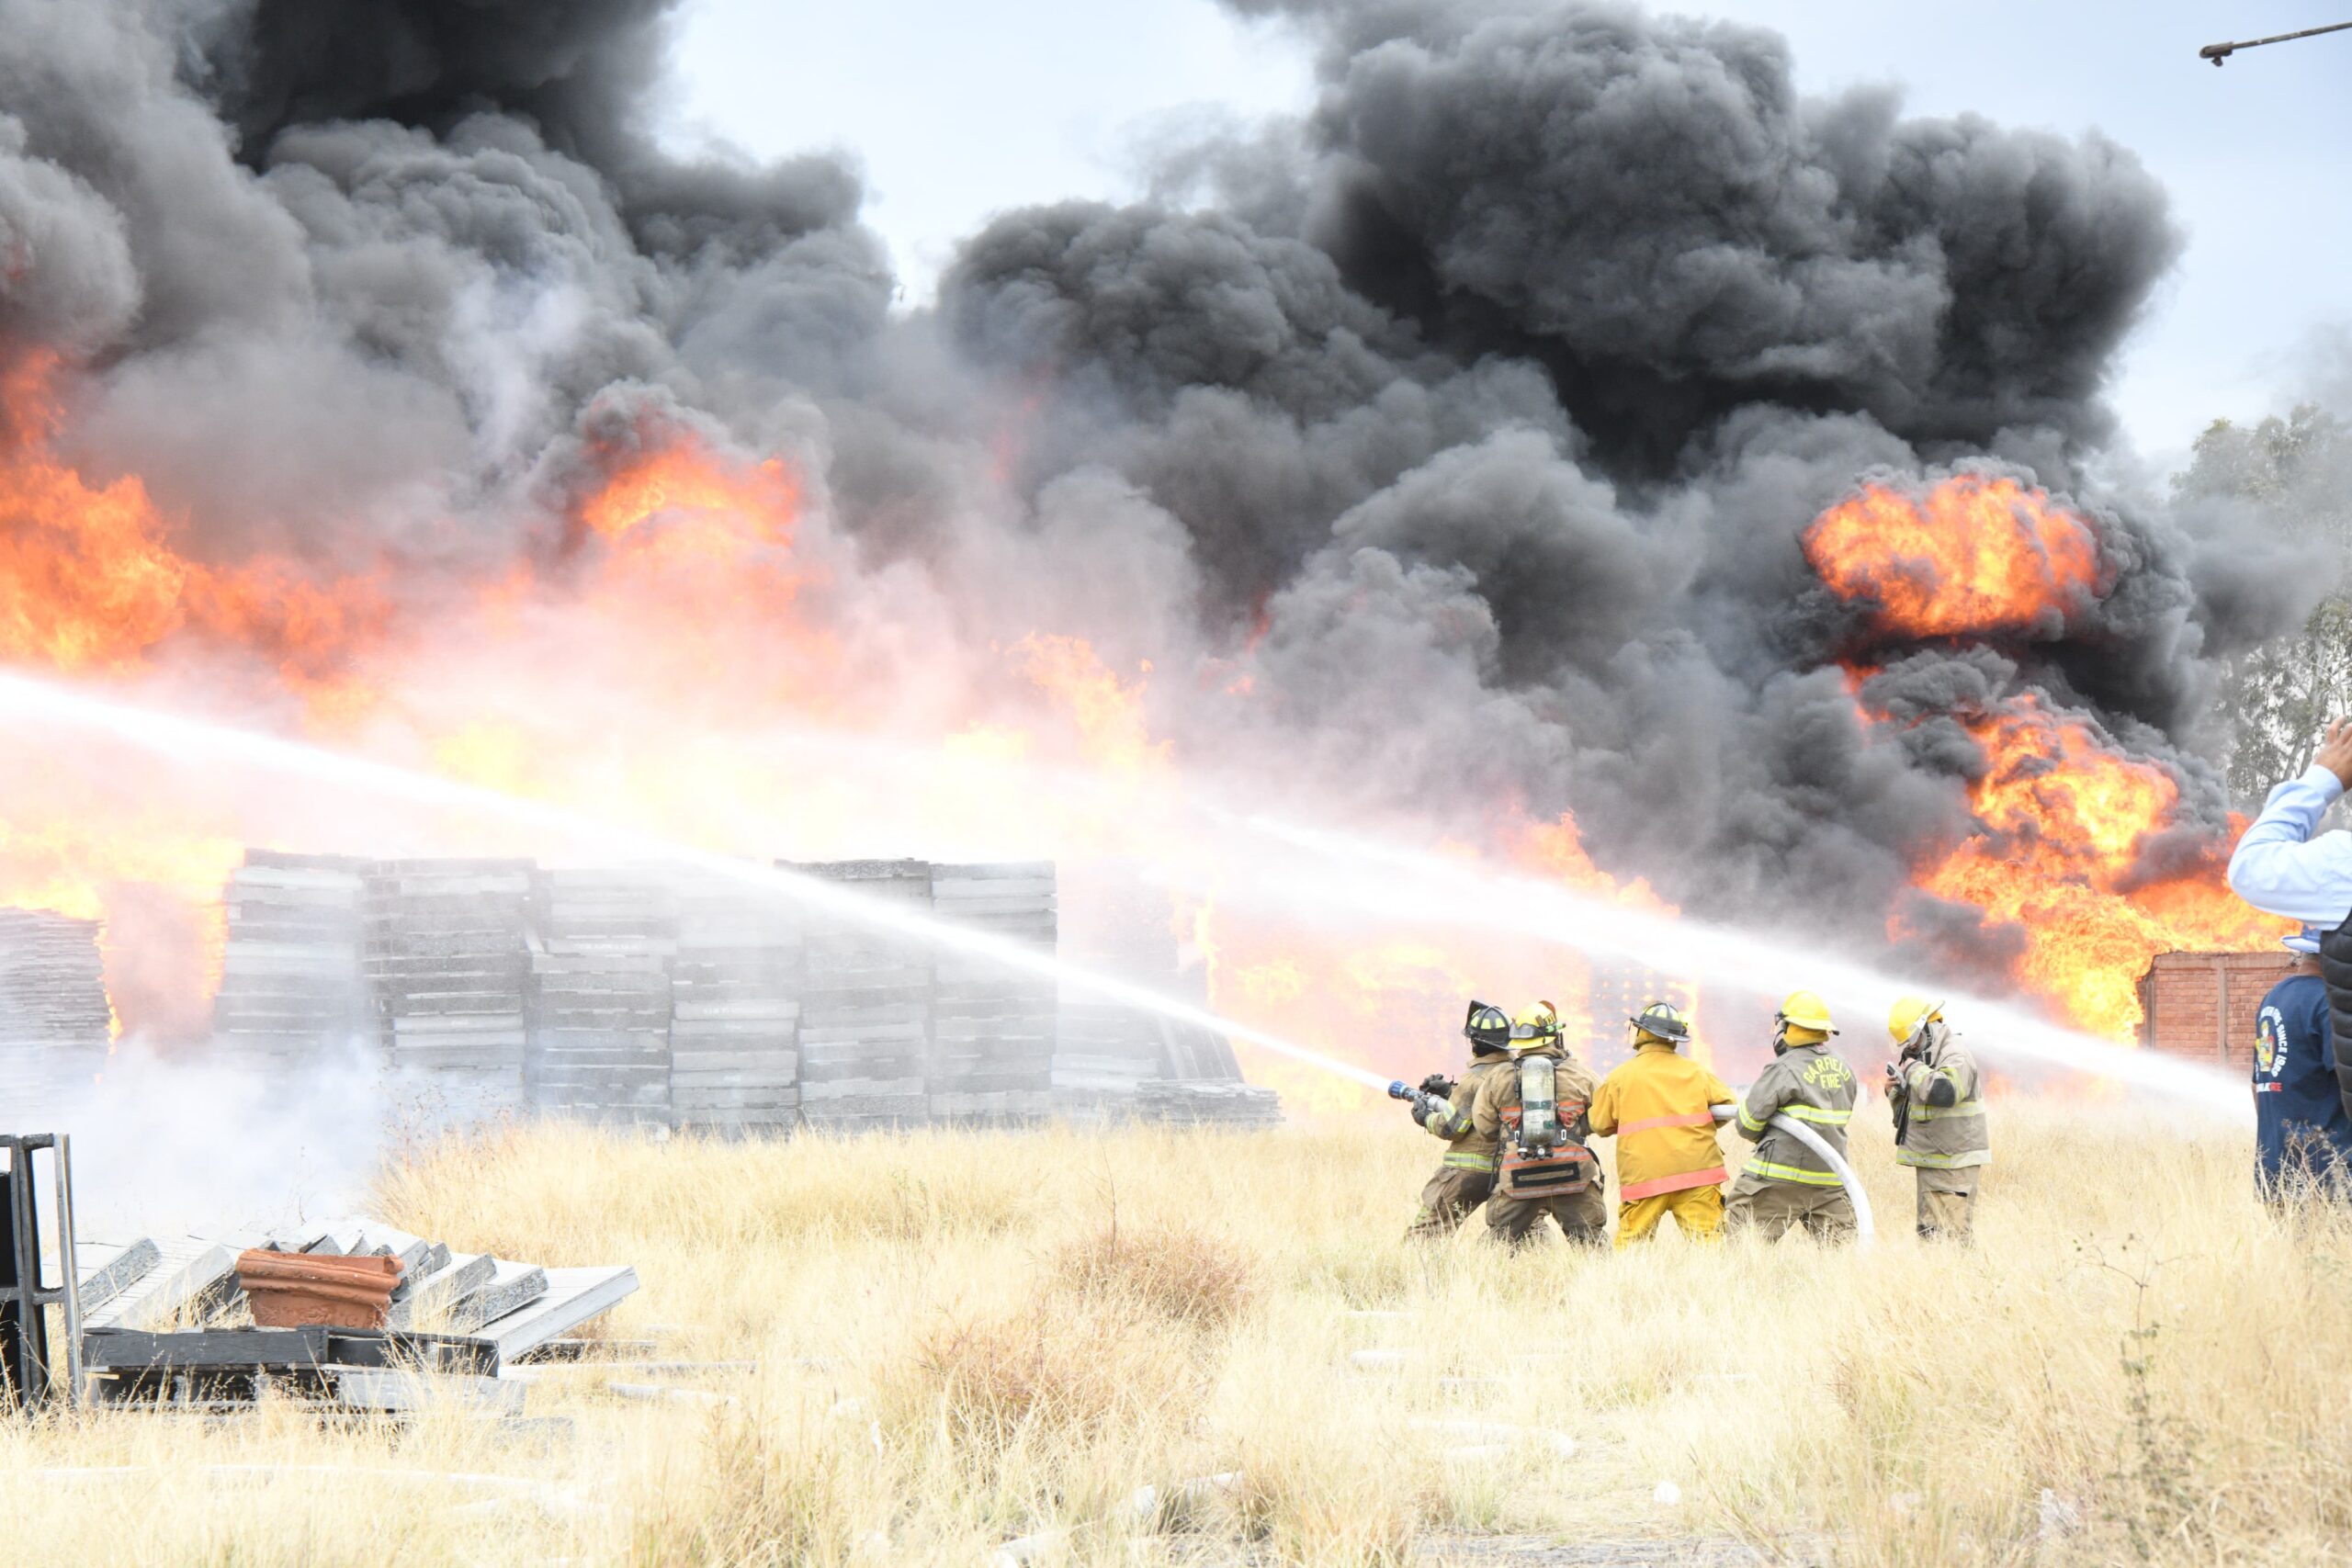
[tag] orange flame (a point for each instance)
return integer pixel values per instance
(1107, 712)
(89, 579)
(691, 592)
(1974, 556)
(2064, 819)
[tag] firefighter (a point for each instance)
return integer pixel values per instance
(1657, 1105)
(1557, 1176)
(1938, 1116)
(1467, 1172)
(1785, 1184)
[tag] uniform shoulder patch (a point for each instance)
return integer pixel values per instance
(2270, 1044)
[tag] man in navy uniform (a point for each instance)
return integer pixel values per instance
(2302, 1133)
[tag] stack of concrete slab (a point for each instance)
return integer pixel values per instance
(599, 1005)
(865, 1003)
(291, 986)
(735, 1012)
(447, 961)
(993, 1026)
(55, 1021)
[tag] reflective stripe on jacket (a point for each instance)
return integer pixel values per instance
(1657, 1107)
(1813, 1085)
(1464, 1148)
(1947, 1128)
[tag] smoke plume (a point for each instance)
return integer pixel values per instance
(1449, 457)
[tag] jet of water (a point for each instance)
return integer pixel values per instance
(1411, 885)
(172, 735)
(1362, 876)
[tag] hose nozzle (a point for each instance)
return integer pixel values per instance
(1399, 1090)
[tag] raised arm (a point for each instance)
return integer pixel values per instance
(2278, 866)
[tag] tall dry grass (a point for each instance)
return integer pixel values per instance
(965, 1339)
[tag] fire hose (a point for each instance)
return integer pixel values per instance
(1864, 1231)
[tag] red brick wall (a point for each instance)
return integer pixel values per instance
(2183, 994)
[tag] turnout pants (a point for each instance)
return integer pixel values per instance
(1452, 1196)
(1770, 1210)
(1698, 1212)
(1947, 1205)
(1583, 1217)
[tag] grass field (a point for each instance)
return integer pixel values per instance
(963, 1339)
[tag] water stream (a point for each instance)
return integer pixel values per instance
(1357, 876)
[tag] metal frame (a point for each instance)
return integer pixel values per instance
(25, 1345)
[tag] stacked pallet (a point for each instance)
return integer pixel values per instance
(598, 1046)
(446, 962)
(1187, 1104)
(291, 988)
(1190, 1053)
(992, 1026)
(734, 1011)
(54, 1017)
(866, 1004)
(1114, 923)
(1105, 1050)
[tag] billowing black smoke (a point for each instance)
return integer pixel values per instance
(1477, 420)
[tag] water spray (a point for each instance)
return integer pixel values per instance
(1466, 894)
(171, 735)
(1524, 905)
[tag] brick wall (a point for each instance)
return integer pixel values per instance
(2185, 995)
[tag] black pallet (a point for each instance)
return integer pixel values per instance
(231, 1364)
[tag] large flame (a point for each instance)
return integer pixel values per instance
(2065, 821)
(1974, 554)
(648, 656)
(2064, 853)
(90, 579)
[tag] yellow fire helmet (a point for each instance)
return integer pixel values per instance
(1908, 1014)
(1536, 1025)
(1804, 1010)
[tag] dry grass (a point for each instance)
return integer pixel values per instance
(963, 1339)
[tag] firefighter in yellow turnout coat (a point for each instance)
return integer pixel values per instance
(1785, 1184)
(1659, 1106)
(1467, 1172)
(1498, 1115)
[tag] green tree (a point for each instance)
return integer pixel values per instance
(2277, 697)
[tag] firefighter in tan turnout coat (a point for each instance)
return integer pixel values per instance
(1559, 1176)
(1938, 1100)
(1467, 1172)
(1785, 1184)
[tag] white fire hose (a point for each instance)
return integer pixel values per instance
(1864, 1231)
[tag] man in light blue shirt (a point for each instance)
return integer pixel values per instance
(2278, 866)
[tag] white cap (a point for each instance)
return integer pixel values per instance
(2305, 942)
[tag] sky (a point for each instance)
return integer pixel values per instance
(957, 110)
